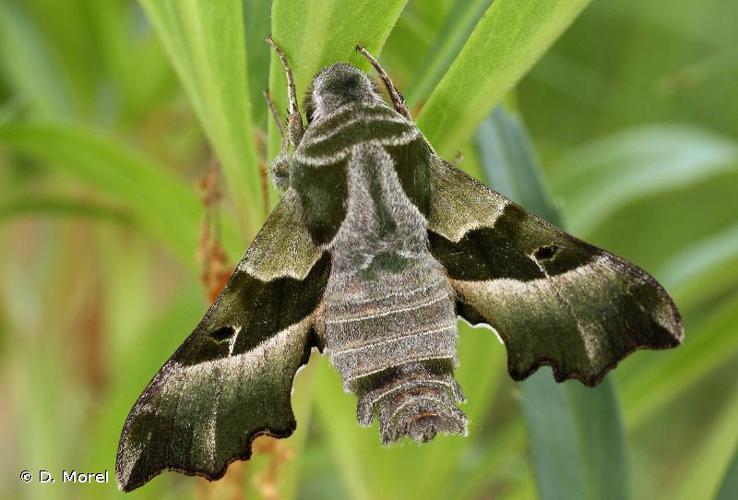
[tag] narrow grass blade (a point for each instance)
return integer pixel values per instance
(510, 164)
(729, 486)
(58, 206)
(206, 43)
(412, 35)
(703, 480)
(159, 202)
(602, 176)
(444, 49)
(553, 438)
(576, 434)
(257, 26)
(336, 411)
(705, 269)
(508, 39)
(28, 64)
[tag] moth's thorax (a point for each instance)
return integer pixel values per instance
(321, 165)
(383, 230)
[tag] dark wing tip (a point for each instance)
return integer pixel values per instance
(666, 327)
(666, 334)
(136, 479)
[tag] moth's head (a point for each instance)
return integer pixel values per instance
(336, 86)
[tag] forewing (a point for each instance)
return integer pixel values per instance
(231, 380)
(553, 299)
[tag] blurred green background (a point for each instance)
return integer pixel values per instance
(619, 120)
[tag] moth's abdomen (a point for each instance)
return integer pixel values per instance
(389, 320)
(394, 341)
(418, 400)
(412, 322)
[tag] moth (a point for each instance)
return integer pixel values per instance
(376, 247)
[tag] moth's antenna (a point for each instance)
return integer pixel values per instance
(397, 100)
(295, 126)
(277, 119)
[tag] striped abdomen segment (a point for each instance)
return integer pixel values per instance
(393, 339)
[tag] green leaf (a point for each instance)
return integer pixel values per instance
(164, 206)
(446, 46)
(337, 413)
(576, 438)
(432, 13)
(510, 164)
(598, 178)
(703, 270)
(704, 476)
(44, 205)
(27, 62)
(205, 41)
(317, 33)
(729, 487)
(576, 434)
(412, 35)
(509, 38)
(257, 25)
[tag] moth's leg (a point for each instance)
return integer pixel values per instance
(295, 127)
(397, 100)
(279, 167)
(277, 121)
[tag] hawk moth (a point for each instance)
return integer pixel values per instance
(375, 247)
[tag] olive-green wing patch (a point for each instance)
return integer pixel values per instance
(231, 379)
(552, 298)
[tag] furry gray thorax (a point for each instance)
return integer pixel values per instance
(390, 324)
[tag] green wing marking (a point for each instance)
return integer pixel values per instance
(231, 379)
(552, 298)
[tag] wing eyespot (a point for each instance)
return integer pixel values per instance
(223, 334)
(546, 252)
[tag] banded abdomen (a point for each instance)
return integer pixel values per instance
(393, 338)
(389, 319)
